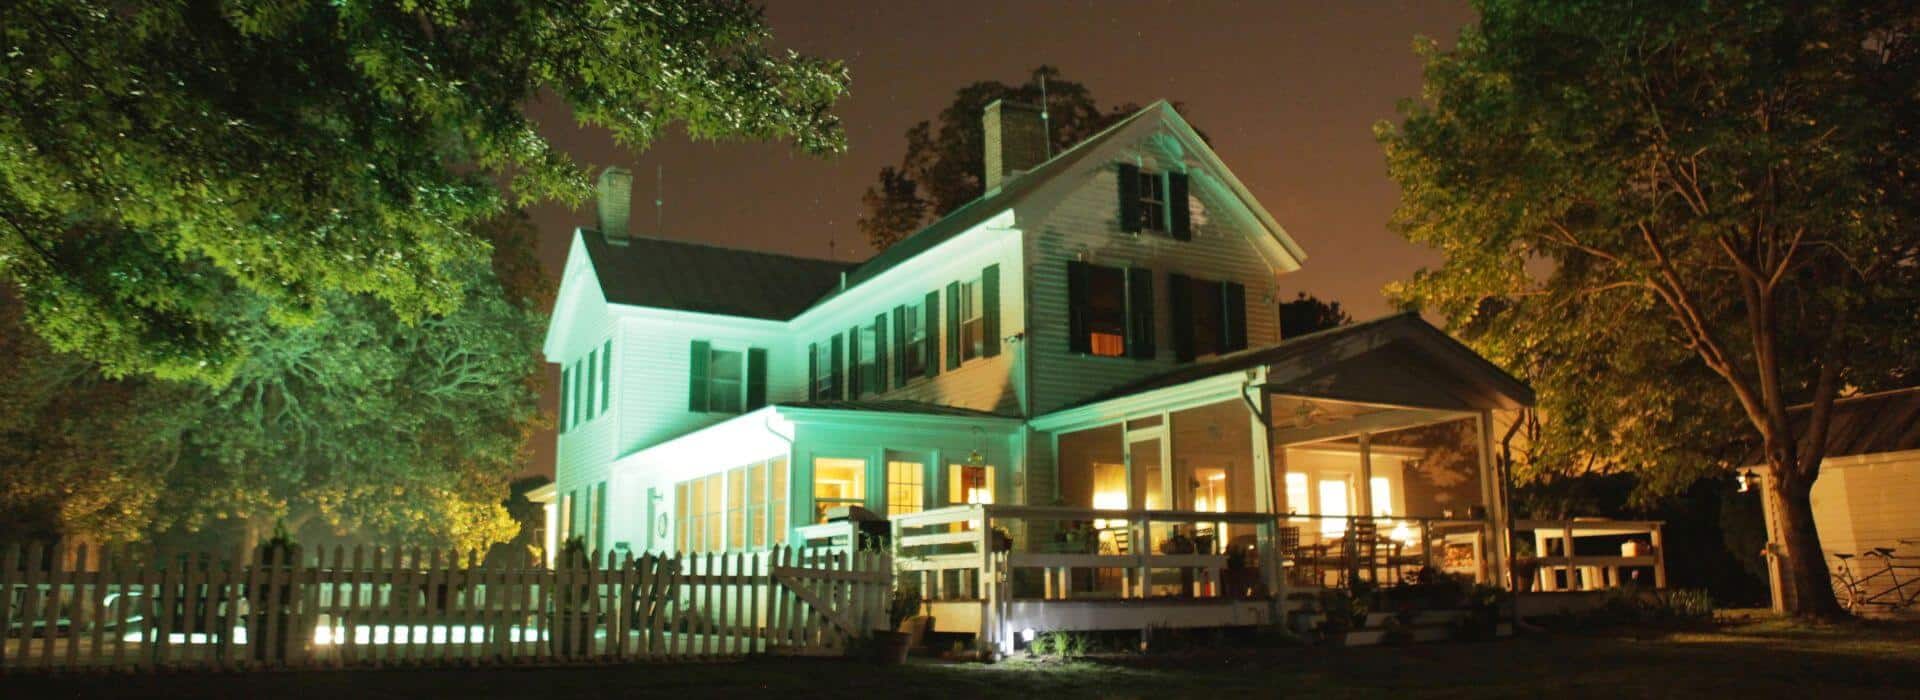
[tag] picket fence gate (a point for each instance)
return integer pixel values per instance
(122, 610)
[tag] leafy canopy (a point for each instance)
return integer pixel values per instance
(1678, 220)
(159, 160)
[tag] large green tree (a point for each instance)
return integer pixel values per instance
(1709, 206)
(173, 171)
(945, 162)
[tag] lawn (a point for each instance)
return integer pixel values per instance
(1740, 657)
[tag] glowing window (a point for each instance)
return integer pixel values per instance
(1106, 311)
(1297, 493)
(970, 484)
(838, 482)
(906, 487)
(1382, 493)
(1333, 504)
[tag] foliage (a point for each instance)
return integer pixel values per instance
(1673, 217)
(903, 603)
(360, 419)
(160, 160)
(945, 163)
(1060, 645)
(1628, 607)
(1308, 314)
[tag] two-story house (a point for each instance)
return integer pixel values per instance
(1097, 335)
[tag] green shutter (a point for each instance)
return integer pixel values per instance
(579, 387)
(1079, 337)
(566, 396)
(1180, 303)
(953, 325)
(1234, 317)
(756, 378)
(990, 316)
(1177, 209)
(813, 372)
(879, 379)
(931, 323)
(854, 380)
(1129, 197)
(697, 377)
(835, 378)
(1140, 343)
(606, 375)
(899, 346)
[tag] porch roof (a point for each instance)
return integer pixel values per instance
(894, 406)
(1398, 359)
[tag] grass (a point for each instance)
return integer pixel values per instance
(1739, 655)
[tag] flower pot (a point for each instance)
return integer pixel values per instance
(890, 648)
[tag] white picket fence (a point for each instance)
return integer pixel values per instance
(117, 610)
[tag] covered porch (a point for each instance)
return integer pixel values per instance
(1212, 494)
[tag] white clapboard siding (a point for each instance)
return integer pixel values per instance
(405, 606)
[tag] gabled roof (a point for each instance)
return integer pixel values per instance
(1351, 362)
(688, 276)
(1887, 421)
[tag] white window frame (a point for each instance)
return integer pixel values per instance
(916, 347)
(823, 369)
(1153, 202)
(714, 382)
(972, 316)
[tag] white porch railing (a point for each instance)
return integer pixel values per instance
(1558, 564)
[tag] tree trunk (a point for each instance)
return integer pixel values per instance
(1806, 590)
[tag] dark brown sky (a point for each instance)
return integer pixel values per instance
(1287, 91)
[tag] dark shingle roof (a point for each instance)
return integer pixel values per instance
(1307, 347)
(688, 276)
(894, 406)
(1888, 421)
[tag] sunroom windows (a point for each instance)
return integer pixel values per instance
(742, 508)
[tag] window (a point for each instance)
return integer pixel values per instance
(1297, 493)
(756, 536)
(566, 397)
(606, 375)
(1104, 312)
(973, 339)
(970, 484)
(1381, 490)
(906, 487)
(714, 488)
(913, 335)
(1209, 317)
(1333, 505)
(777, 496)
(1153, 202)
(566, 517)
(726, 386)
(742, 508)
(737, 509)
(867, 359)
(823, 374)
(838, 482)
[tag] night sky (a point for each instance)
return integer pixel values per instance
(1287, 91)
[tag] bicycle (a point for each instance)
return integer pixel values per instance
(1885, 588)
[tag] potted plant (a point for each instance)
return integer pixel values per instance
(1525, 565)
(890, 646)
(1002, 539)
(572, 604)
(274, 629)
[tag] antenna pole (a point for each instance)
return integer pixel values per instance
(1046, 123)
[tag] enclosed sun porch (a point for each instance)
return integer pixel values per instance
(1211, 495)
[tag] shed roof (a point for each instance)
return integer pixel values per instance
(1887, 421)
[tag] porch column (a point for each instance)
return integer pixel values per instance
(1491, 491)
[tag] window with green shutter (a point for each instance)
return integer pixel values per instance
(990, 311)
(1209, 317)
(953, 325)
(566, 397)
(606, 375)
(698, 355)
(756, 378)
(593, 368)
(1140, 326)
(836, 382)
(930, 322)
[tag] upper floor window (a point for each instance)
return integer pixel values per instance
(972, 320)
(1209, 317)
(1110, 310)
(1153, 202)
(824, 372)
(913, 341)
(726, 388)
(726, 379)
(870, 357)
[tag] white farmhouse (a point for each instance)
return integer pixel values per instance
(1073, 389)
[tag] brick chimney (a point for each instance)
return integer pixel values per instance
(615, 203)
(1016, 140)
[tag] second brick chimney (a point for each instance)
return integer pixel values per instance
(1015, 137)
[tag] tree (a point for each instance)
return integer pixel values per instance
(158, 158)
(945, 164)
(1728, 188)
(1306, 314)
